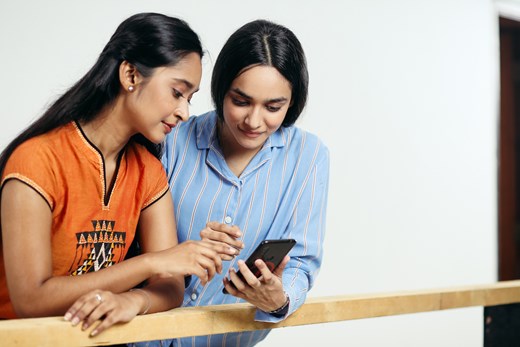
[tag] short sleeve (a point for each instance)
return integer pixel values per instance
(35, 164)
(155, 181)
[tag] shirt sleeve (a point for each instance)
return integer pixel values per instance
(32, 163)
(156, 182)
(307, 227)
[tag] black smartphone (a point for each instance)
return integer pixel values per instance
(271, 252)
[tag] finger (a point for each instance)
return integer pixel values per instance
(226, 257)
(95, 315)
(218, 263)
(236, 282)
(279, 269)
(100, 306)
(248, 276)
(211, 261)
(220, 248)
(89, 305)
(77, 306)
(231, 289)
(201, 273)
(232, 231)
(265, 273)
(109, 320)
(208, 234)
(71, 312)
(211, 269)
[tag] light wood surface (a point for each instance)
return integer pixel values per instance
(182, 322)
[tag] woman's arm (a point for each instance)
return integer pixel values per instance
(164, 290)
(26, 236)
(26, 221)
(294, 277)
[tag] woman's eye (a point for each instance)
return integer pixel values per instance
(239, 102)
(273, 108)
(176, 93)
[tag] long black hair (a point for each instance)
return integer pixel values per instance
(145, 40)
(262, 42)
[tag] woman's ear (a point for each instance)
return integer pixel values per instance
(129, 77)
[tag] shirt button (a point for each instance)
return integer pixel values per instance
(193, 296)
(228, 219)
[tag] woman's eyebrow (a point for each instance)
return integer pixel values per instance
(241, 93)
(245, 96)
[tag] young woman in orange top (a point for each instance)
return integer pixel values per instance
(83, 180)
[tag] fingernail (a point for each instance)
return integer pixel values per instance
(85, 326)
(93, 333)
(67, 316)
(75, 321)
(232, 250)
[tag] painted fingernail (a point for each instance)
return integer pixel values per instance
(75, 321)
(84, 327)
(67, 316)
(94, 332)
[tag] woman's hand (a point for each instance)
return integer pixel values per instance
(106, 306)
(265, 292)
(200, 258)
(223, 233)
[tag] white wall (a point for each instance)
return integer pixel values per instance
(405, 94)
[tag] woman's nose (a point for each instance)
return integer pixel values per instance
(182, 111)
(253, 118)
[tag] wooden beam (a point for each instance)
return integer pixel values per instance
(193, 321)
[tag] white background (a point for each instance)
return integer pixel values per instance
(404, 93)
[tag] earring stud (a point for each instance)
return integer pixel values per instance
(130, 88)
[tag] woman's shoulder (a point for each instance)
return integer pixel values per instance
(38, 160)
(197, 128)
(299, 139)
(48, 144)
(200, 122)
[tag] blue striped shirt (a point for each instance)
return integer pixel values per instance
(282, 193)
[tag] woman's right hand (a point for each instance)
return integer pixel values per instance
(216, 232)
(200, 258)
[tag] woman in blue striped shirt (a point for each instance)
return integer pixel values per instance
(246, 165)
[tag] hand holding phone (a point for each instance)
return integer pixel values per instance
(271, 252)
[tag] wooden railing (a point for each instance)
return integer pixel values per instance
(183, 322)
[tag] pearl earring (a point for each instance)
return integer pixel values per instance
(130, 88)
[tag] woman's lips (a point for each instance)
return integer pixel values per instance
(168, 126)
(251, 134)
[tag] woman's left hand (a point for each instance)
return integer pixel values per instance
(265, 292)
(103, 305)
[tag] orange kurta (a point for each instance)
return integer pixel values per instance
(92, 228)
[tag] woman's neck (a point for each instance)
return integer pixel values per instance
(106, 133)
(237, 157)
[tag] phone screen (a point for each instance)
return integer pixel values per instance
(271, 252)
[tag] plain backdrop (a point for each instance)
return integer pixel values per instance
(405, 95)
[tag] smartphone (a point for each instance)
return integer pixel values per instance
(271, 252)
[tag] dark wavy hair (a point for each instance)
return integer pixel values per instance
(145, 40)
(262, 42)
